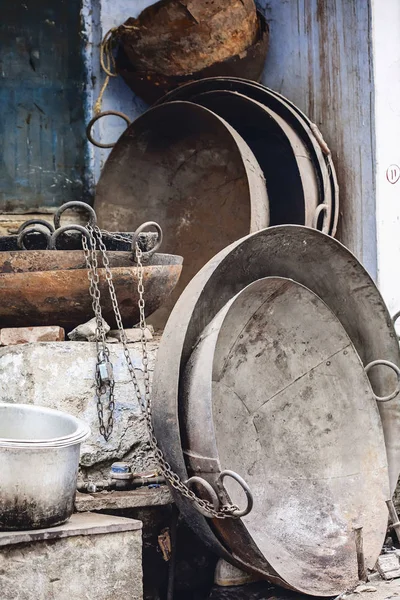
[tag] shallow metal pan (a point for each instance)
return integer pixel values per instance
(311, 258)
(287, 166)
(185, 166)
(275, 391)
(308, 131)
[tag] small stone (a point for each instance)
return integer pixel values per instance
(389, 566)
(111, 340)
(374, 576)
(132, 335)
(365, 588)
(87, 331)
(30, 335)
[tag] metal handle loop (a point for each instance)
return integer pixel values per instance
(25, 232)
(395, 318)
(395, 368)
(325, 226)
(114, 113)
(61, 230)
(244, 486)
(139, 230)
(26, 224)
(209, 489)
(75, 204)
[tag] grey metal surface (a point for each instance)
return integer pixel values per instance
(39, 458)
(328, 185)
(287, 166)
(186, 167)
(275, 390)
(309, 257)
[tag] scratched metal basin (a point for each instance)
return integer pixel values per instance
(275, 391)
(39, 459)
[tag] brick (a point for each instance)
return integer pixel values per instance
(30, 335)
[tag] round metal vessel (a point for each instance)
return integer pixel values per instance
(39, 458)
(187, 166)
(318, 262)
(51, 286)
(308, 131)
(275, 391)
(283, 157)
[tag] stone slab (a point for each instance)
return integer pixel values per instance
(61, 375)
(84, 523)
(10, 336)
(139, 498)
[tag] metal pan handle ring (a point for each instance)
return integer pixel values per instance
(395, 368)
(325, 226)
(24, 232)
(211, 493)
(115, 113)
(61, 230)
(26, 224)
(395, 318)
(75, 204)
(238, 513)
(139, 230)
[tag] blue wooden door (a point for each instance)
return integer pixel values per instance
(42, 139)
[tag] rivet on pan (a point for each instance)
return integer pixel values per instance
(328, 363)
(345, 352)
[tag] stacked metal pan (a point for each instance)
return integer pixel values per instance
(267, 369)
(215, 160)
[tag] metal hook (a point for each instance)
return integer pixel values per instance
(99, 116)
(209, 489)
(75, 204)
(61, 230)
(139, 230)
(243, 485)
(395, 368)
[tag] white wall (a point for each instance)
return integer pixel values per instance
(386, 45)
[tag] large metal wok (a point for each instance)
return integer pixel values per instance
(308, 131)
(318, 262)
(275, 391)
(288, 169)
(186, 165)
(51, 286)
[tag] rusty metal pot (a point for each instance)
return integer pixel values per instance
(318, 262)
(173, 42)
(308, 131)
(50, 286)
(187, 166)
(275, 391)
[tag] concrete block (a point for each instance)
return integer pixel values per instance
(30, 335)
(61, 376)
(96, 557)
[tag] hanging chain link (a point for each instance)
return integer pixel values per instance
(106, 383)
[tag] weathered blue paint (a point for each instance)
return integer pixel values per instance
(42, 141)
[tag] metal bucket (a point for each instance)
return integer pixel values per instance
(275, 391)
(39, 459)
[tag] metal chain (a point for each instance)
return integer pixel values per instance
(95, 235)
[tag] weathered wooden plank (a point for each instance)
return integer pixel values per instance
(320, 57)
